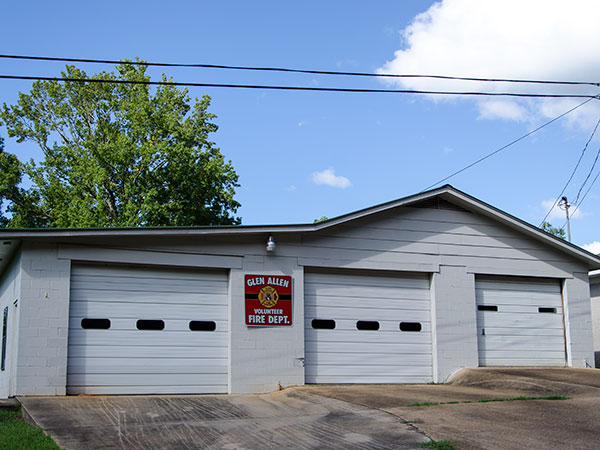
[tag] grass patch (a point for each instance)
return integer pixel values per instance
(17, 435)
(487, 400)
(438, 445)
(524, 397)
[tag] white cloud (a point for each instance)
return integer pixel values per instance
(329, 178)
(557, 213)
(291, 188)
(502, 109)
(593, 247)
(533, 39)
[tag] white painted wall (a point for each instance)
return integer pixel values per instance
(10, 290)
(44, 321)
(452, 246)
(454, 321)
(263, 358)
(595, 306)
(578, 321)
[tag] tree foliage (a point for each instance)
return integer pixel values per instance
(558, 232)
(115, 155)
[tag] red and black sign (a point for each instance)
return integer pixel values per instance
(268, 300)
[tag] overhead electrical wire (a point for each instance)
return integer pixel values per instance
(504, 147)
(291, 70)
(572, 174)
(584, 195)
(294, 88)
(587, 177)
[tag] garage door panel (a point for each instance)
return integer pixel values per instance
(125, 360)
(516, 332)
(380, 304)
(364, 371)
(167, 389)
(523, 361)
(170, 324)
(115, 271)
(516, 320)
(548, 300)
(349, 355)
(147, 367)
(351, 293)
(172, 297)
(546, 353)
(147, 338)
(371, 379)
(515, 343)
(529, 332)
(353, 337)
(347, 317)
(154, 379)
(158, 286)
(146, 310)
(405, 348)
(498, 283)
(525, 309)
(315, 279)
(130, 352)
(382, 359)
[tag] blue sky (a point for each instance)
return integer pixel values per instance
(364, 149)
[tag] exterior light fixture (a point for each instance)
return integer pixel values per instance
(270, 244)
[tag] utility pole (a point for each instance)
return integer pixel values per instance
(564, 204)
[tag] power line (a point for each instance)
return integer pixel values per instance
(290, 70)
(293, 88)
(585, 195)
(489, 155)
(572, 173)
(588, 176)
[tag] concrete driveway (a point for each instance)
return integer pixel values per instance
(531, 424)
(341, 417)
(288, 419)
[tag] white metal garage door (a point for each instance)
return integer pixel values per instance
(363, 328)
(141, 330)
(520, 322)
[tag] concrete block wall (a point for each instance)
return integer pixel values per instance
(595, 299)
(578, 321)
(44, 321)
(10, 293)
(453, 321)
(263, 358)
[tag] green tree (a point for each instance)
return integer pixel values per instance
(322, 219)
(15, 201)
(558, 232)
(116, 155)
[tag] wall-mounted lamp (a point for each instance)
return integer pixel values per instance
(270, 244)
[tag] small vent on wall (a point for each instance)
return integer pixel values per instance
(437, 203)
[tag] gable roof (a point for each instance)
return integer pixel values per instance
(447, 192)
